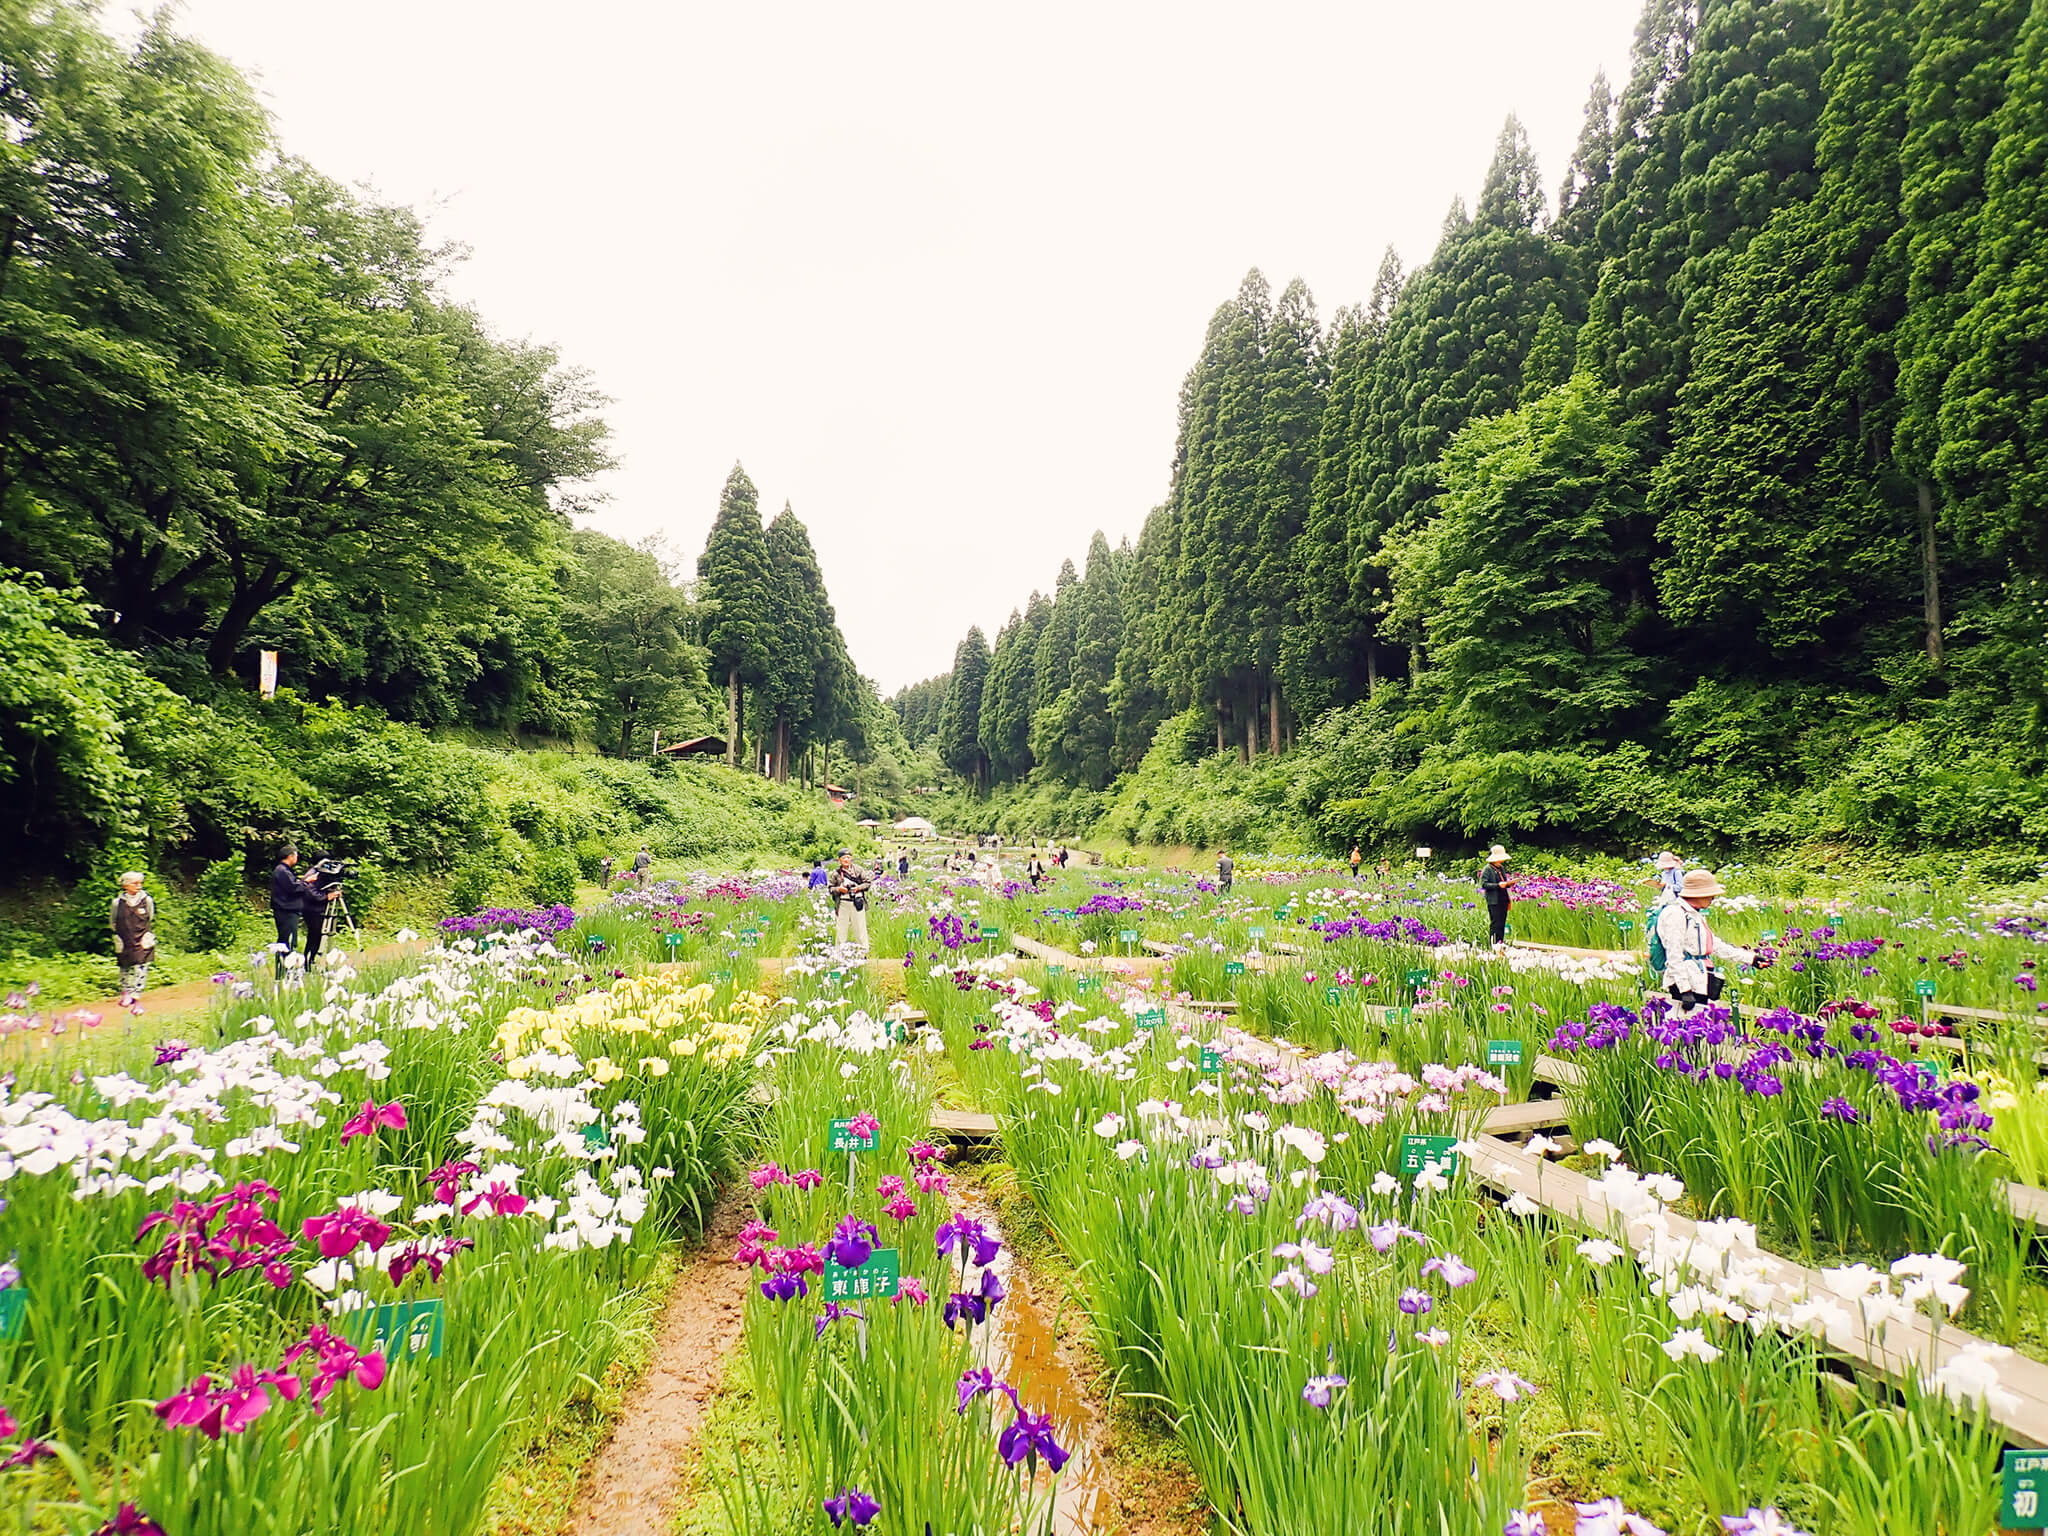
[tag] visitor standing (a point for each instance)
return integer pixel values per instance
(848, 889)
(314, 915)
(1693, 957)
(641, 862)
(818, 875)
(133, 919)
(604, 870)
(287, 904)
(1669, 876)
(903, 863)
(1357, 859)
(1495, 886)
(1226, 867)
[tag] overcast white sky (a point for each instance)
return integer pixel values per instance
(933, 273)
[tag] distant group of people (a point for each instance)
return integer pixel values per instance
(297, 901)
(1691, 962)
(636, 872)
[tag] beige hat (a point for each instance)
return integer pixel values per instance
(1499, 855)
(1669, 860)
(1700, 882)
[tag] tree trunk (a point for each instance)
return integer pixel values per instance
(732, 717)
(1273, 720)
(1251, 721)
(626, 734)
(1930, 573)
(1219, 724)
(1372, 667)
(825, 768)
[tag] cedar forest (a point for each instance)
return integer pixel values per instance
(1703, 500)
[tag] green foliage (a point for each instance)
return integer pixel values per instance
(476, 879)
(214, 915)
(552, 877)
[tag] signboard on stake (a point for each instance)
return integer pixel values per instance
(840, 1136)
(1128, 936)
(1418, 1152)
(1332, 996)
(266, 674)
(2024, 1506)
(1149, 1018)
(1233, 967)
(1503, 1053)
(1212, 1059)
(876, 1280)
(401, 1329)
(13, 1312)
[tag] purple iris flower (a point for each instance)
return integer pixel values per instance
(975, 1383)
(833, 1312)
(971, 1237)
(853, 1507)
(784, 1287)
(851, 1242)
(1840, 1109)
(1030, 1437)
(1415, 1303)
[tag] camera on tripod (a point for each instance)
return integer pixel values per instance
(331, 873)
(327, 877)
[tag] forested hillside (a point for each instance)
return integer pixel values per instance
(240, 413)
(1707, 500)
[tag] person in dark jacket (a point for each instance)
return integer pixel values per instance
(1495, 886)
(287, 903)
(133, 919)
(314, 913)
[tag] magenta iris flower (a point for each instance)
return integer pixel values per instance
(27, 1454)
(785, 1286)
(372, 1117)
(344, 1231)
(130, 1521)
(864, 1125)
(766, 1174)
(853, 1507)
(755, 1237)
(808, 1179)
(447, 1179)
(902, 1208)
(500, 1198)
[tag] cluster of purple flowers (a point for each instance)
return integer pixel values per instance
(2023, 925)
(547, 921)
(1574, 895)
(947, 929)
(1393, 930)
(1107, 902)
(1606, 1025)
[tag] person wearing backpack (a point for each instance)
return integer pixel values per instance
(1689, 960)
(1495, 887)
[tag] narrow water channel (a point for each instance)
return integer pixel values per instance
(1019, 1346)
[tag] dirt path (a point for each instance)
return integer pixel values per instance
(631, 1488)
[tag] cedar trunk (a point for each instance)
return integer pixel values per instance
(1930, 573)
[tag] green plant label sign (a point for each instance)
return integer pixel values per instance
(13, 1312)
(673, 940)
(1770, 936)
(727, 975)
(1212, 1059)
(1233, 967)
(1088, 984)
(1503, 1053)
(1392, 1016)
(1627, 925)
(595, 1137)
(876, 1280)
(1055, 970)
(2025, 1505)
(991, 934)
(1924, 987)
(402, 1329)
(1150, 1018)
(914, 934)
(1257, 933)
(841, 1137)
(595, 942)
(1417, 979)
(1332, 996)
(1128, 935)
(750, 937)
(1280, 913)
(1418, 1152)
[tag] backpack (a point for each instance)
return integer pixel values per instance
(1658, 958)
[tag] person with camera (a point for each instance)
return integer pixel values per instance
(849, 892)
(321, 882)
(287, 903)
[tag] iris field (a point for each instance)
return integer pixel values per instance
(335, 1263)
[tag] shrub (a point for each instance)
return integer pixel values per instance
(364, 889)
(590, 856)
(214, 916)
(554, 877)
(470, 890)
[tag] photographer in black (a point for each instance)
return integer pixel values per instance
(848, 889)
(287, 903)
(320, 884)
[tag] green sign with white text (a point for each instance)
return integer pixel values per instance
(1418, 1152)
(1503, 1053)
(2025, 1503)
(840, 1136)
(400, 1329)
(876, 1280)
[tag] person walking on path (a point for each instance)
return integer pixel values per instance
(1669, 875)
(1225, 868)
(1693, 957)
(1357, 859)
(605, 874)
(849, 892)
(641, 861)
(1495, 886)
(133, 919)
(818, 875)
(287, 904)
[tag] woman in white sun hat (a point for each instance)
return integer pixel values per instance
(1670, 869)
(1693, 958)
(1495, 886)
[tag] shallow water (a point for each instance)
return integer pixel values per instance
(1019, 1346)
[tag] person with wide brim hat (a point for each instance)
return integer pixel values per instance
(1494, 887)
(1694, 960)
(1667, 869)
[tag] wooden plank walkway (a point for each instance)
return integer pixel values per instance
(1919, 1347)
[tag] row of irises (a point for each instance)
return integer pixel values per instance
(871, 1323)
(330, 1270)
(1343, 1342)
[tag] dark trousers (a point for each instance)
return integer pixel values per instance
(1497, 919)
(316, 930)
(287, 935)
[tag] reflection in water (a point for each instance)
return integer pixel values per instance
(1019, 1346)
